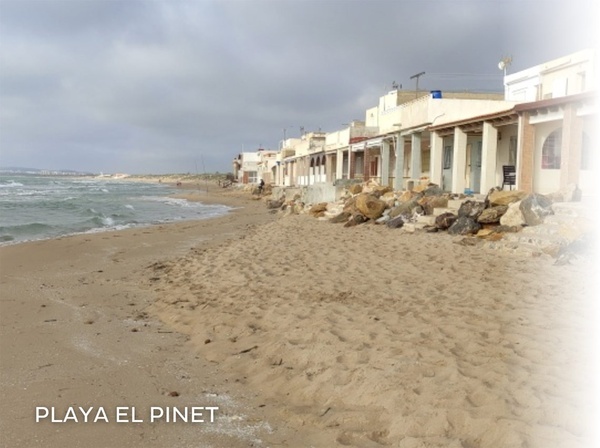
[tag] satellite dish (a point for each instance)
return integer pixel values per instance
(501, 65)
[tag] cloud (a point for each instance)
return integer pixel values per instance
(146, 86)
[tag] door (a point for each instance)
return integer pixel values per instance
(447, 168)
(476, 167)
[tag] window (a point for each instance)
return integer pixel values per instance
(551, 151)
(447, 157)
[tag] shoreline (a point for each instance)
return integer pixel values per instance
(302, 332)
(188, 190)
(78, 313)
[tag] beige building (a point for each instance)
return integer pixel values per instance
(251, 167)
(542, 128)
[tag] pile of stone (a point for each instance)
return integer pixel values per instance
(505, 219)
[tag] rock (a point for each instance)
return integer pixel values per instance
(406, 208)
(492, 215)
(506, 229)
(464, 225)
(271, 203)
(482, 233)
(370, 206)
(407, 196)
(430, 202)
(355, 188)
(409, 227)
(433, 190)
(318, 210)
(513, 217)
(395, 223)
(342, 217)
(355, 220)
(297, 207)
(535, 207)
(384, 218)
(445, 220)
(379, 190)
(470, 209)
(505, 197)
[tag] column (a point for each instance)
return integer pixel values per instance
(339, 165)
(459, 164)
(399, 165)
(415, 156)
(385, 163)
(526, 148)
(570, 151)
(351, 163)
(489, 151)
(436, 162)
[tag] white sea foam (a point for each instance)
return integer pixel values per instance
(69, 207)
(11, 184)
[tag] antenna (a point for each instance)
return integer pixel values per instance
(505, 63)
(418, 75)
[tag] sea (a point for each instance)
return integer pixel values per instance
(44, 207)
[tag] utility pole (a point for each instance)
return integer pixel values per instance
(417, 76)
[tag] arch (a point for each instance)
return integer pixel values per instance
(551, 150)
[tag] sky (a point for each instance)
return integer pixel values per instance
(177, 86)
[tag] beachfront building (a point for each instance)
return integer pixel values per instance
(558, 120)
(545, 137)
(341, 162)
(541, 128)
(402, 152)
(300, 161)
(251, 167)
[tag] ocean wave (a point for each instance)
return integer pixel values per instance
(24, 231)
(10, 184)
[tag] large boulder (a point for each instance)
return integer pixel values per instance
(342, 217)
(318, 210)
(430, 202)
(406, 208)
(505, 197)
(464, 225)
(492, 215)
(355, 188)
(370, 206)
(433, 190)
(273, 204)
(470, 209)
(445, 220)
(407, 195)
(513, 217)
(535, 207)
(379, 190)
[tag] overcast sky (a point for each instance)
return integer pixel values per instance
(143, 86)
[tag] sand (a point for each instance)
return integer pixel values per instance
(302, 332)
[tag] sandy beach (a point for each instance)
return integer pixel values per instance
(301, 333)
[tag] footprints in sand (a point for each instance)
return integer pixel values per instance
(439, 348)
